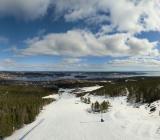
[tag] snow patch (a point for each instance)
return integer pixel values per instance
(67, 119)
(53, 96)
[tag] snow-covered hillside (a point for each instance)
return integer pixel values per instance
(68, 119)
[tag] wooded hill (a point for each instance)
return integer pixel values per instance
(20, 105)
(144, 90)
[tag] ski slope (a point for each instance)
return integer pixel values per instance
(68, 119)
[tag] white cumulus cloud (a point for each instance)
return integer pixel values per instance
(80, 43)
(125, 15)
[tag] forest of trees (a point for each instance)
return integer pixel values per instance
(110, 89)
(20, 105)
(144, 90)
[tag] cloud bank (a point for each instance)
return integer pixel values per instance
(117, 23)
(123, 15)
(80, 43)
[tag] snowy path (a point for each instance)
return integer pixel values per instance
(67, 120)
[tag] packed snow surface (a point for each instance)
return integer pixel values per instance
(68, 119)
(54, 96)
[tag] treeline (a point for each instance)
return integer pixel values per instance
(20, 105)
(144, 90)
(110, 89)
(70, 83)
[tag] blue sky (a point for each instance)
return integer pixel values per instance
(80, 35)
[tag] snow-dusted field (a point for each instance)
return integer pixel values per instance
(67, 119)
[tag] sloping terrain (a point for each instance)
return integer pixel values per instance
(68, 119)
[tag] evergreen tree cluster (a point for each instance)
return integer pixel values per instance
(20, 105)
(110, 89)
(144, 91)
(86, 100)
(100, 107)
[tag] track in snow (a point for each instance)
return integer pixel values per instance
(31, 129)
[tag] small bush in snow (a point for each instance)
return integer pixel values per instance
(85, 100)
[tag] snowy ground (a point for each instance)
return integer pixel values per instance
(67, 119)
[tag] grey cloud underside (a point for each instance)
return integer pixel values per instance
(25, 9)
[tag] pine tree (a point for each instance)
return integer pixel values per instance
(85, 100)
(104, 106)
(92, 106)
(88, 100)
(97, 106)
(82, 98)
